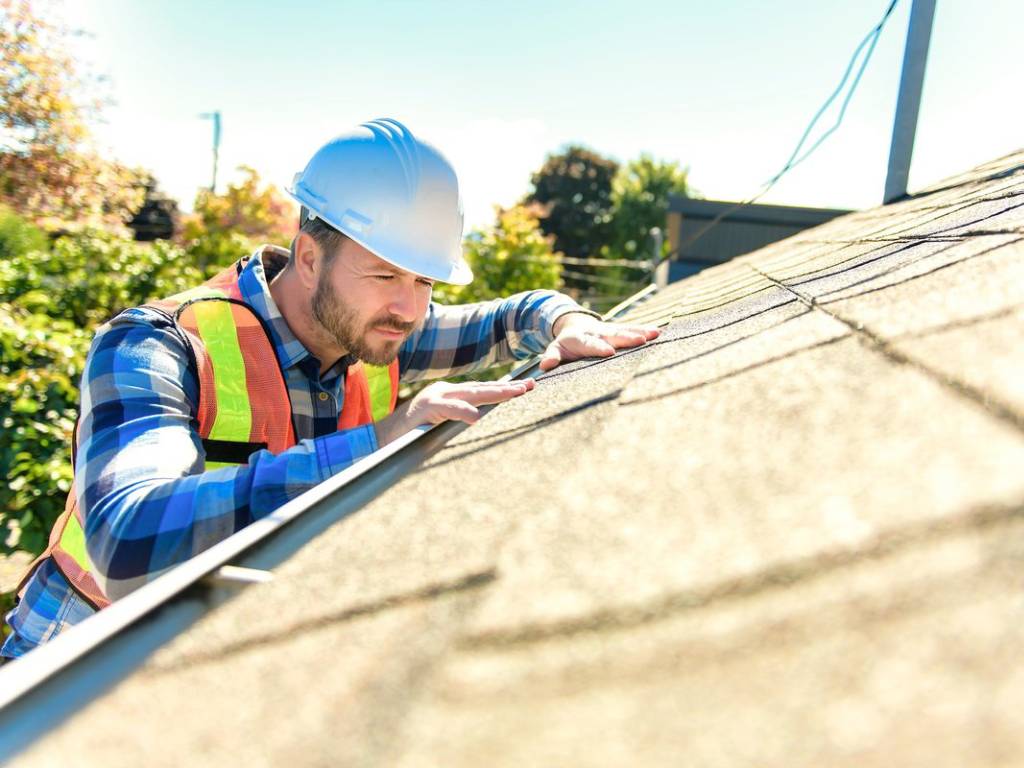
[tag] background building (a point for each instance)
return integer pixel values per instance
(697, 243)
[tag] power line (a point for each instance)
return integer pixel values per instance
(870, 40)
(575, 261)
(596, 279)
(583, 262)
(795, 158)
(629, 263)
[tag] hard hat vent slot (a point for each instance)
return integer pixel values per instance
(356, 222)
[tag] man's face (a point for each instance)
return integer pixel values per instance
(366, 306)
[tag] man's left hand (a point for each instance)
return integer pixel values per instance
(578, 335)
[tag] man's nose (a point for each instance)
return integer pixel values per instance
(403, 302)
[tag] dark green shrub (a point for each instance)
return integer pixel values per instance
(41, 362)
(17, 236)
(87, 278)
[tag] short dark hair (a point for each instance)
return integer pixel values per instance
(327, 237)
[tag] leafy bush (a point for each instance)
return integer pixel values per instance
(640, 197)
(87, 278)
(574, 187)
(212, 249)
(41, 361)
(596, 209)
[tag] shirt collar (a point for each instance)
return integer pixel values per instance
(254, 283)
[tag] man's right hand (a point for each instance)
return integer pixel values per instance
(443, 401)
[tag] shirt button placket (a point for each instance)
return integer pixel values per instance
(326, 408)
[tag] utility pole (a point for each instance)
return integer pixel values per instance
(215, 116)
(915, 55)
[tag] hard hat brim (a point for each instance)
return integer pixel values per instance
(455, 271)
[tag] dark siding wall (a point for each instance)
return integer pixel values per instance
(741, 231)
(730, 238)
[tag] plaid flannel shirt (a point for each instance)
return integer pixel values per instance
(139, 469)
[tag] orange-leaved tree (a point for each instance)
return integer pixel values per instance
(50, 171)
(225, 226)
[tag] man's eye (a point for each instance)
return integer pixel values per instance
(428, 283)
(384, 277)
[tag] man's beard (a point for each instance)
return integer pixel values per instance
(341, 322)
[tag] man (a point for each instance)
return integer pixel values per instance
(208, 410)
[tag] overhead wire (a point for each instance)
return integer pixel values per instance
(596, 279)
(869, 41)
(581, 261)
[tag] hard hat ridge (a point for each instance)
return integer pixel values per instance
(404, 145)
(392, 193)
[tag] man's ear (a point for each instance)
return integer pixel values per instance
(308, 260)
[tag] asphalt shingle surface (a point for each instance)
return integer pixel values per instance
(789, 533)
(731, 502)
(907, 655)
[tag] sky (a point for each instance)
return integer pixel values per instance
(724, 88)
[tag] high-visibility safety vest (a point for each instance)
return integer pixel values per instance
(243, 402)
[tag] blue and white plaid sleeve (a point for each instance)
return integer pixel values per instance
(139, 475)
(470, 337)
(139, 468)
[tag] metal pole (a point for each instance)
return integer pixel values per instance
(215, 116)
(216, 147)
(657, 239)
(915, 56)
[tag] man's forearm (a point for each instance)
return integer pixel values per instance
(465, 338)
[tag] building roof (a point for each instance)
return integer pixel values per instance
(757, 213)
(789, 532)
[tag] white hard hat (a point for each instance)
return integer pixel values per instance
(393, 194)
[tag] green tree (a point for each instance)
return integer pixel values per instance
(511, 256)
(225, 227)
(50, 171)
(573, 190)
(640, 196)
